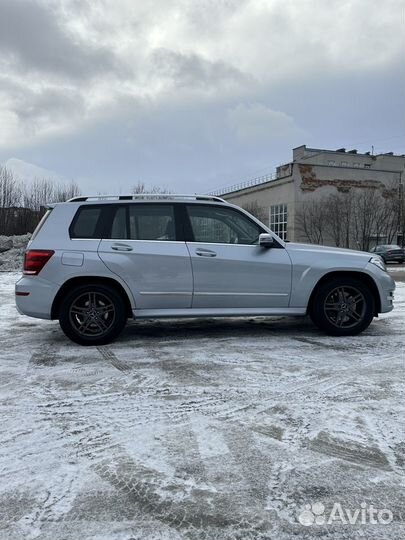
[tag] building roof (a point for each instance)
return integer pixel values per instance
(341, 151)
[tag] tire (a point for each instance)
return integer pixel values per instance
(401, 262)
(92, 314)
(335, 309)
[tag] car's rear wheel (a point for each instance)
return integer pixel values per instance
(92, 314)
(343, 307)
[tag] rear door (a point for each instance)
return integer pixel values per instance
(230, 269)
(145, 248)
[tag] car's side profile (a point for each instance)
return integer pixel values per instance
(93, 263)
(390, 253)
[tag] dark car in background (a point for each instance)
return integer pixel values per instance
(390, 253)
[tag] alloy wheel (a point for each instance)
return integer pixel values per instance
(92, 314)
(345, 307)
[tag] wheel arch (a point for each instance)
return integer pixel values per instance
(362, 276)
(89, 280)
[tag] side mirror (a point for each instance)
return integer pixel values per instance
(266, 240)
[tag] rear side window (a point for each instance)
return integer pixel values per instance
(41, 223)
(86, 223)
(119, 224)
(144, 222)
(151, 222)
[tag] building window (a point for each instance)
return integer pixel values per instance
(278, 220)
(344, 164)
(367, 165)
(356, 164)
(331, 163)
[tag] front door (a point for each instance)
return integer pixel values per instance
(230, 269)
(144, 249)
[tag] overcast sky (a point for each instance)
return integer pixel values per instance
(195, 94)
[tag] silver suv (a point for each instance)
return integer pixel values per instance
(94, 262)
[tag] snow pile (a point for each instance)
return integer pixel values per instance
(12, 250)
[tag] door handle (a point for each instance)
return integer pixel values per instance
(121, 247)
(205, 253)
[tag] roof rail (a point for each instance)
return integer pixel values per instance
(137, 196)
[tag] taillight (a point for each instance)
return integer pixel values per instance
(35, 260)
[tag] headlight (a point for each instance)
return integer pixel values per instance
(378, 261)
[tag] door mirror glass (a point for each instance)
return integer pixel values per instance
(266, 240)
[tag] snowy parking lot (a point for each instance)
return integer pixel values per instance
(215, 429)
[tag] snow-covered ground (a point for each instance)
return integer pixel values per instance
(199, 430)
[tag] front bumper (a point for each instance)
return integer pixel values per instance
(38, 299)
(385, 285)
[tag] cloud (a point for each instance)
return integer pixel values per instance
(9, 127)
(280, 40)
(256, 122)
(36, 111)
(51, 104)
(193, 71)
(33, 38)
(155, 86)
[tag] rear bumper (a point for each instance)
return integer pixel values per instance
(38, 299)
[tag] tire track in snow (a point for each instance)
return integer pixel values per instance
(124, 367)
(175, 501)
(109, 355)
(350, 451)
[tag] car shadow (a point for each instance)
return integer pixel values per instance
(220, 328)
(300, 328)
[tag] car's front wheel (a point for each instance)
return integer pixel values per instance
(343, 307)
(92, 314)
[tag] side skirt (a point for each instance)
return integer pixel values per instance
(217, 312)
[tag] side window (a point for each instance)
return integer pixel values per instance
(212, 224)
(41, 223)
(152, 222)
(85, 223)
(119, 224)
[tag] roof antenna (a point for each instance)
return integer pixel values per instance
(372, 149)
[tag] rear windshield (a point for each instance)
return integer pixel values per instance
(86, 222)
(41, 223)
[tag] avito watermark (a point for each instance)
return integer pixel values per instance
(316, 514)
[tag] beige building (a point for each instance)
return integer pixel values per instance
(313, 175)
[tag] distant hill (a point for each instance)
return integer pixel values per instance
(27, 172)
